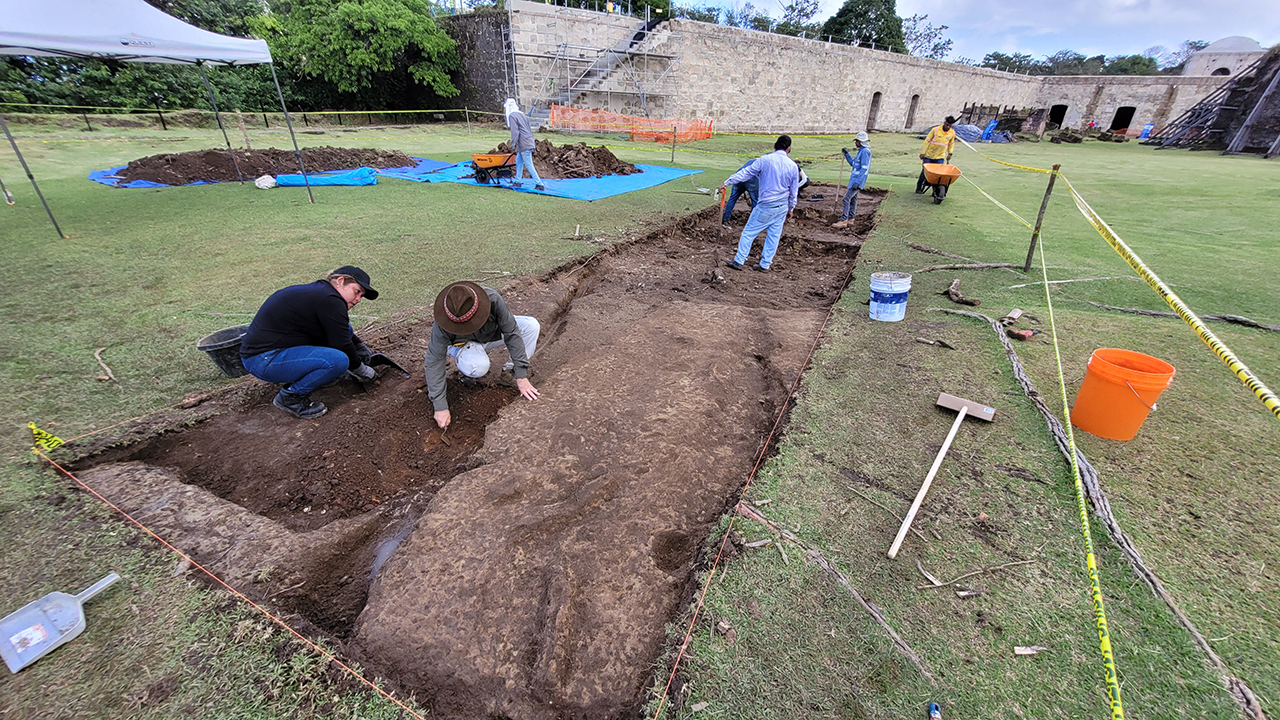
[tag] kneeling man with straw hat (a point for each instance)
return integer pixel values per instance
(471, 320)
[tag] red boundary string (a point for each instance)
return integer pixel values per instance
(702, 597)
(235, 592)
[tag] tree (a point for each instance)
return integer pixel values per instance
(1178, 58)
(797, 19)
(225, 17)
(1130, 65)
(867, 22)
(1017, 62)
(362, 45)
(705, 13)
(1070, 62)
(925, 40)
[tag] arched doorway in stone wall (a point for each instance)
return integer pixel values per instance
(1057, 114)
(911, 112)
(875, 110)
(1123, 117)
(1221, 71)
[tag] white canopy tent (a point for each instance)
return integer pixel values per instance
(128, 31)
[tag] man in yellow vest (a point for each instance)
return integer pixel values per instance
(938, 145)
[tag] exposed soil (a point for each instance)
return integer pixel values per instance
(573, 161)
(217, 166)
(527, 568)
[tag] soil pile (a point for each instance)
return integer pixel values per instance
(525, 569)
(573, 161)
(216, 165)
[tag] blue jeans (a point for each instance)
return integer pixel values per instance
(301, 369)
(523, 160)
(850, 202)
(738, 190)
(921, 183)
(768, 217)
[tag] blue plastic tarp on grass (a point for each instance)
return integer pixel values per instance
(573, 188)
(359, 176)
(109, 177)
(416, 173)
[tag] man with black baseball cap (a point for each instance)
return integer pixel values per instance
(302, 338)
(471, 320)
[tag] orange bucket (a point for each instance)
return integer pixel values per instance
(1120, 388)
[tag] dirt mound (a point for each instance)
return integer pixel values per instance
(574, 161)
(216, 165)
(526, 565)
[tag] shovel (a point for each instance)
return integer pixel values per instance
(381, 359)
(966, 408)
(45, 625)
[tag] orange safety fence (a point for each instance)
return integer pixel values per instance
(567, 118)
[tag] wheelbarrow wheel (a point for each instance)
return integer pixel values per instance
(939, 194)
(482, 174)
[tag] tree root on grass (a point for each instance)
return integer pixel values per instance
(821, 561)
(1248, 702)
(1233, 319)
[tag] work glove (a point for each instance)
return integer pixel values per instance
(844, 150)
(364, 373)
(362, 350)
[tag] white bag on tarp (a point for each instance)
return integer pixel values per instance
(266, 182)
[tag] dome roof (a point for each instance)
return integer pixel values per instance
(1233, 44)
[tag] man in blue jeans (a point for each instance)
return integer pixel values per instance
(302, 338)
(779, 189)
(522, 143)
(859, 166)
(750, 188)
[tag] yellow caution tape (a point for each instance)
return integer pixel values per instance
(998, 203)
(1095, 582)
(1219, 348)
(43, 439)
(1006, 164)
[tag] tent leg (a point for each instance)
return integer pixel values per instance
(296, 151)
(218, 115)
(31, 177)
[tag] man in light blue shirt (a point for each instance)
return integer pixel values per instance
(779, 187)
(522, 143)
(860, 163)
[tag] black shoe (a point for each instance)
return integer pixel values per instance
(299, 406)
(759, 267)
(734, 264)
(540, 187)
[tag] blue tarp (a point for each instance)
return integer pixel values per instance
(968, 133)
(574, 188)
(109, 177)
(416, 173)
(359, 176)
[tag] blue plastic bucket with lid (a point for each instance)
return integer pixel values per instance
(889, 295)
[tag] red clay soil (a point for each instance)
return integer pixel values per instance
(217, 166)
(525, 569)
(573, 161)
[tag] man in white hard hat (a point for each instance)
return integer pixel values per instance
(860, 164)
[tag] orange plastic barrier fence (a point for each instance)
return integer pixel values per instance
(567, 118)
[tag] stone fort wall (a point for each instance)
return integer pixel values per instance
(751, 81)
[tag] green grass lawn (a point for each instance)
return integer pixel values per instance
(148, 272)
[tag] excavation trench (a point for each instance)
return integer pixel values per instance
(525, 564)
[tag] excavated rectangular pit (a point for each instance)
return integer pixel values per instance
(524, 564)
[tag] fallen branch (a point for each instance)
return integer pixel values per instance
(971, 266)
(1233, 319)
(934, 251)
(97, 355)
(957, 297)
(892, 514)
(818, 559)
(1243, 695)
(1060, 282)
(975, 572)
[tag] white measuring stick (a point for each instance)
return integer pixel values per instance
(915, 506)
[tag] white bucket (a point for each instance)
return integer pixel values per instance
(889, 295)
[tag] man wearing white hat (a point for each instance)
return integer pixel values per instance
(471, 320)
(521, 142)
(860, 163)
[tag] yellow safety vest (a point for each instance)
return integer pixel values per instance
(938, 143)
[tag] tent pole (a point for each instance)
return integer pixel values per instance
(32, 178)
(289, 122)
(218, 115)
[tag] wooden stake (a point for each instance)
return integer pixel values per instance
(1035, 235)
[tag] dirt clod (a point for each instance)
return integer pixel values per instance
(573, 161)
(217, 166)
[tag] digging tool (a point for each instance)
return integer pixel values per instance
(965, 408)
(44, 625)
(379, 359)
(8, 196)
(720, 193)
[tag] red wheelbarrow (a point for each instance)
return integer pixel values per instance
(492, 166)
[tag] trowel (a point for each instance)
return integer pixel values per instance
(45, 625)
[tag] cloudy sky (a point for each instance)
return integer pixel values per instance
(1090, 27)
